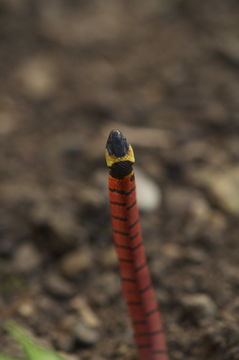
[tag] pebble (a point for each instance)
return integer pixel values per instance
(26, 308)
(58, 287)
(58, 218)
(108, 258)
(75, 262)
(94, 196)
(223, 185)
(54, 227)
(181, 201)
(172, 251)
(85, 334)
(200, 306)
(27, 258)
(89, 317)
(37, 75)
(148, 192)
(86, 330)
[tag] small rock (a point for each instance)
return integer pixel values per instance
(93, 196)
(85, 335)
(75, 262)
(172, 251)
(53, 226)
(79, 303)
(57, 218)
(109, 258)
(58, 287)
(223, 185)
(27, 258)
(38, 77)
(149, 195)
(200, 306)
(181, 201)
(26, 308)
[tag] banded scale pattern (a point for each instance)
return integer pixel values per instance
(135, 277)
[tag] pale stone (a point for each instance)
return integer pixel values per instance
(223, 184)
(148, 192)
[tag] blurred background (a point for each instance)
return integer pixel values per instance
(165, 73)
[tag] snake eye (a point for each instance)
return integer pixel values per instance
(117, 144)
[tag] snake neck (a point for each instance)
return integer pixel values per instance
(121, 169)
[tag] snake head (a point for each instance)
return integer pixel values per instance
(117, 145)
(118, 149)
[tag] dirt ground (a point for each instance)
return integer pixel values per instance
(167, 74)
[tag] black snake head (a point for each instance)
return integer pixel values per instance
(117, 145)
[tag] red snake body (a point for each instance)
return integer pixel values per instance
(135, 278)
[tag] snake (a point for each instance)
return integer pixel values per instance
(135, 277)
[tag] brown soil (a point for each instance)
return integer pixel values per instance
(70, 71)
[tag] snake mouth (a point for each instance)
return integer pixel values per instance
(118, 149)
